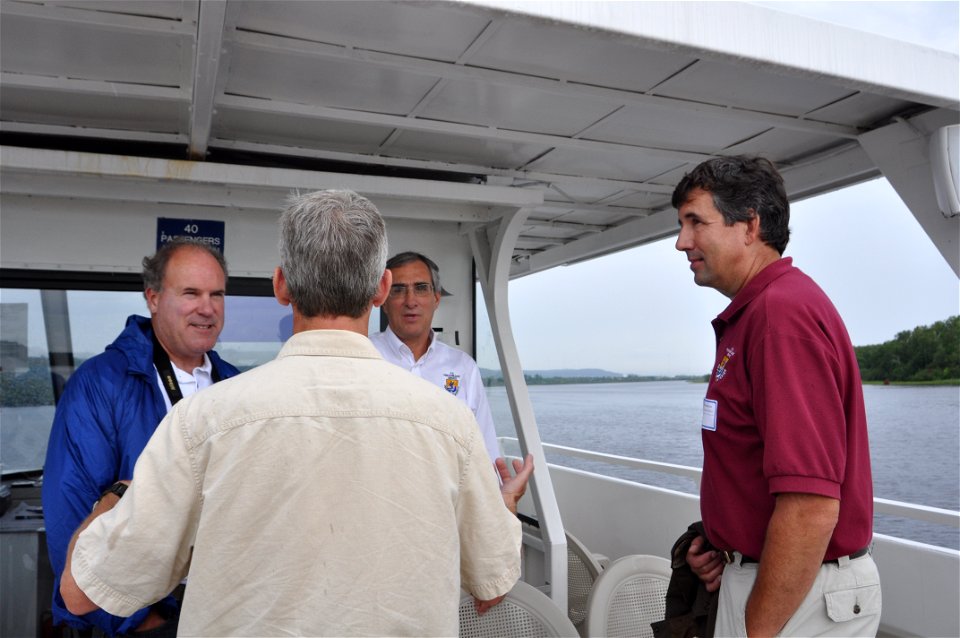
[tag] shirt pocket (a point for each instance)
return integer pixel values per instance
(856, 602)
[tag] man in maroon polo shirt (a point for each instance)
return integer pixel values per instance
(786, 493)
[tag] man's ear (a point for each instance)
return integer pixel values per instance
(383, 288)
(752, 229)
(280, 287)
(153, 300)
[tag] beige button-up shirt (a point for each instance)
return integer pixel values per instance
(327, 492)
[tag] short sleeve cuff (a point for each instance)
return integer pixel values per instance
(804, 485)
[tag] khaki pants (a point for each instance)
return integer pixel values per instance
(843, 601)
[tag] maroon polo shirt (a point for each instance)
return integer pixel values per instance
(783, 413)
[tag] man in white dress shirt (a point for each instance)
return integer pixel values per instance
(410, 343)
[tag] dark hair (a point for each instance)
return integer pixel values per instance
(743, 187)
(401, 259)
(333, 249)
(155, 266)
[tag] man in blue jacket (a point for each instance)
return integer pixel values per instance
(114, 401)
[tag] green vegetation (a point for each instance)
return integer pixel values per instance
(927, 354)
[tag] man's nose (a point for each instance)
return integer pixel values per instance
(683, 240)
(206, 306)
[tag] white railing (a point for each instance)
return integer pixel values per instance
(880, 505)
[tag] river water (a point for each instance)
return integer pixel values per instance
(914, 438)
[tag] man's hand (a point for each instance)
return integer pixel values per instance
(512, 488)
(483, 606)
(707, 565)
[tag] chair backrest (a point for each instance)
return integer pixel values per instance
(526, 611)
(582, 572)
(629, 595)
(583, 568)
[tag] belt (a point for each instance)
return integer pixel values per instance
(728, 557)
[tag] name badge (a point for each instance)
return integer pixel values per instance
(709, 420)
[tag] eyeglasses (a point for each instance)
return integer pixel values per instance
(420, 289)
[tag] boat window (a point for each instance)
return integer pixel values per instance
(46, 332)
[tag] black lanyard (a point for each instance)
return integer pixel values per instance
(162, 361)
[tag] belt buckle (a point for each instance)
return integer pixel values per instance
(727, 556)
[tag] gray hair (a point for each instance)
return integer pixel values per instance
(402, 259)
(333, 251)
(155, 266)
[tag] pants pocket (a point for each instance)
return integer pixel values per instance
(857, 602)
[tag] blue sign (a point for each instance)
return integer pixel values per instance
(208, 231)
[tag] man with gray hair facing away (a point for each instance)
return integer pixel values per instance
(327, 492)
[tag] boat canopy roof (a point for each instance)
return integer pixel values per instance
(590, 111)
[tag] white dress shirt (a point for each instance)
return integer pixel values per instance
(451, 369)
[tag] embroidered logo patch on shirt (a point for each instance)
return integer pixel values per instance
(722, 368)
(451, 382)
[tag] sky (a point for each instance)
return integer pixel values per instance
(860, 244)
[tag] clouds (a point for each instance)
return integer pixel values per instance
(638, 311)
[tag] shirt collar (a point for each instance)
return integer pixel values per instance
(206, 368)
(401, 349)
(754, 287)
(330, 343)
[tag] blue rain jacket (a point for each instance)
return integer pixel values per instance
(109, 409)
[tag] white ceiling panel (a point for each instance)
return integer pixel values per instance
(468, 150)
(627, 164)
(39, 44)
(514, 108)
(860, 110)
(82, 110)
(660, 127)
(423, 30)
(287, 130)
(790, 146)
(751, 88)
(324, 82)
(169, 9)
(547, 50)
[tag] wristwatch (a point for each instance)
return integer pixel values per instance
(117, 488)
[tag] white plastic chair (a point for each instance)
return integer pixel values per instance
(628, 596)
(526, 611)
(583, 569)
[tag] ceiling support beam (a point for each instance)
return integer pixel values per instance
(210, 23)
(38, 172)
(901, 151)
(536, 179)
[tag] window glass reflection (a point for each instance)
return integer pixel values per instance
(26, 388)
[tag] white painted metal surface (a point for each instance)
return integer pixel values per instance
(616, 518)
(601, 106)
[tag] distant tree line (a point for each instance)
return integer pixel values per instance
(922, 355)
(927, 354)
(538, 379)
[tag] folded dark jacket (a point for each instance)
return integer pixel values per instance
(691, 609)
